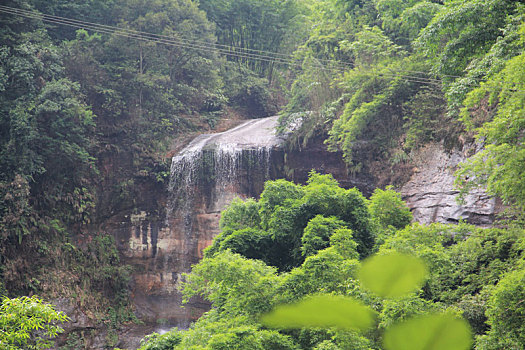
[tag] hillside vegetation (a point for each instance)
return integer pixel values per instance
(391, 75)
(87, 117)
(298, 241)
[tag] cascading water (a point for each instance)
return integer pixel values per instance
(213, 168)
(205, 177)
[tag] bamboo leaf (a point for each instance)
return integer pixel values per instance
(429, 332)
(393, 275)
(322, 311)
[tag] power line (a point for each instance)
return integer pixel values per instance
(200, 45)
(232, 51)
(148, 34)
(155, 38)
(260, 55)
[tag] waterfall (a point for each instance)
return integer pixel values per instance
(213, 168)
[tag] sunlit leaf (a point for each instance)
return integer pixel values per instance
(322, 311)
(393, 275)
(429, 332)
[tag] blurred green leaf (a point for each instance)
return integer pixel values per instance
(429, 332)
(393, 275)
(321, 311)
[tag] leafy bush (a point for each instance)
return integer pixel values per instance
(28, 323)
(388, 209)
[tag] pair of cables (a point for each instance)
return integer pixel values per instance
(203, 46)
(327, 65)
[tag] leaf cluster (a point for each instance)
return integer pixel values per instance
(28, 323)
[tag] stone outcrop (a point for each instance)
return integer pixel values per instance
(431, 195)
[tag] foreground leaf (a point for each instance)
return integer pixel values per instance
(321, 311)
(429, 332)
(393, 275)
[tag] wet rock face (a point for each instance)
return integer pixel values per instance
(316, 157)
(205, 177)
(431, 195)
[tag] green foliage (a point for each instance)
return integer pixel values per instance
(232, 283)
(481, 260)
(240, 214)
(319, 219)
(343, 243)
(429, 332)
(249, 242)
(388, 209)
(371, 46)
(498, 165)
(325, 272)
(247, 91)
(452, 39)
(28, 323)
(392, 275)
(45, 138)
(232, 333)
(321, 311)
(456, 269)
(375, 106)
(462, 273)
(253, 25)
(397, 310)
(413, 19)
(166, 341)
(276, 193)
(291, 222)
(423, 115)
(318, 232)
(506, 312)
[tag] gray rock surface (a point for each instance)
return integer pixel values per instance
(431, 194)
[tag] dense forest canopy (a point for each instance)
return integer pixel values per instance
(87, 117)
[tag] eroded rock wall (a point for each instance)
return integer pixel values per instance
(431, 195)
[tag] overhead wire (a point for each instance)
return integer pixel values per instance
(226, 47)
(157, 38)
(232, 51)
(149, 34)
(143, 36)
(199, 45)
(260, 55)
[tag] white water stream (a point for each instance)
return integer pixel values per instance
(215, 161)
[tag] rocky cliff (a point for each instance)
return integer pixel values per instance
(431, 195)
(215, 168)
(205, 177)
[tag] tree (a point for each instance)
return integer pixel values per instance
(28, 323)
(499, 165)
(211, 332)
(325, 272)
(276, 193)
(451, 40)
(388, 209)
(165, 341)
(252, 25)
(318, 232)
(241, 214)
(234, 284)
(291, 222)
(506, 313)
